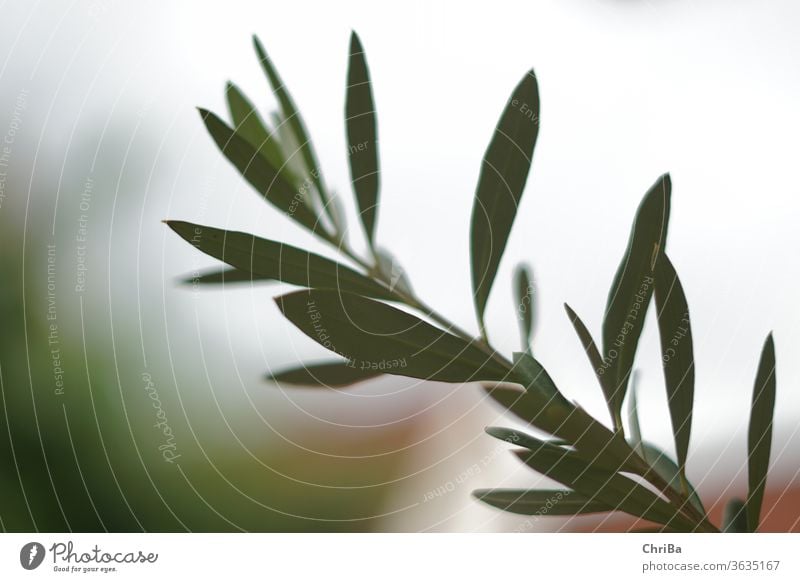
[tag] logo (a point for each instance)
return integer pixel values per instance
(31, 555)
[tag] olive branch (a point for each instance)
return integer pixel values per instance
(347, 307)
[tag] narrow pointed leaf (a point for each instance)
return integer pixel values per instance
(669, 471)
(759, 436)
(614, 490)
(272, 183)
(295, 121)
(540, 502)
(523, 299)
(504, 172)
(632, 289)
(363, 330)
(248, 124)
(276, 260)
(223, 276)
(293, 163)
(595, 359)
(533, 376)
(734, 518)
(362, 137)
(567, 422)
(328, 374)
(677, 353)
(634, 427)
(595, 459)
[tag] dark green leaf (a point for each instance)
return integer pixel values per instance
(634, 427)
(533, 376)
(668, 470)
(606, 487)
(330, 374)
(295, 121)
(677, 353)
(759, 436)
(248, 124)
(363, 330)
(276, 260)
(273, 184)
(632, 289)
(596, 459)
(568, 422)
(362, 137)
(294, 164)
(225, 276)
(542, 502)
(523, 298)
(504, 172)
(734, 518)
(596, 360)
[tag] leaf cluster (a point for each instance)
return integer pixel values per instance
(364, 310)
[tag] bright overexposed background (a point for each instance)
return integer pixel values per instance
(707, 91)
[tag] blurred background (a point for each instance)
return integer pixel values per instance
(131, 402)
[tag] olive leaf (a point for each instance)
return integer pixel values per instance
(224, 275)
(595, 359)
(326, 374)
(670, 472)
(248, 124)
(275, 260)
(367, 331)
(362, 137)
(504, 171)
(274, 184)
(734, 518)
(677, 354)
(295, 121)
(534, 377)
(597, 484)
(634, 427)
(540, 502)
(523, 299)
(566, 421)
(632, 290)
(759, 435)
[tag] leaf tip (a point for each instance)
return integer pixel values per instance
(258, 46)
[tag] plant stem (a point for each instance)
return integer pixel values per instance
(682, 503)
(416, 303)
